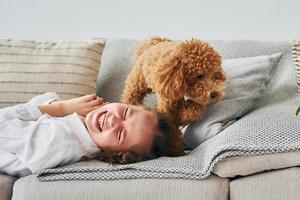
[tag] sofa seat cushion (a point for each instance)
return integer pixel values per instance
(6, 185)
(247, 165)
(279, 184)
(31, 188)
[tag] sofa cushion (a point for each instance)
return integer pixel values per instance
(210, 189)
(275, 185)
(116, 61)
(6, 186)
(115, 66)
(29, 68)
(246, 165)
(247, 78)
(281, 86)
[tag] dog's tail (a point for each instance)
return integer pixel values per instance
(151, 41)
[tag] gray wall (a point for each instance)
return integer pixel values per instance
(206, 19)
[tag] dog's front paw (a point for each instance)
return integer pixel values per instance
(190, 112)
(188, 117)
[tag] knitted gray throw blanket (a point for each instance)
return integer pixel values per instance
(271, 128)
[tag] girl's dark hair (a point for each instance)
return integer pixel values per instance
(167, 142)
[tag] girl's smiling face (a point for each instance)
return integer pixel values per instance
(120, 127)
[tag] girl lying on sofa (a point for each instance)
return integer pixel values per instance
(47, 132)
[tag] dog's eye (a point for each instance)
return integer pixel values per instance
(199, 78)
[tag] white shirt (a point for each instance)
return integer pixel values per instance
(31, 141)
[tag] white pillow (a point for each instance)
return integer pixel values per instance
(247, 77)
(29, 68)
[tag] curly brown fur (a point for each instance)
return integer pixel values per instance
(174, 71)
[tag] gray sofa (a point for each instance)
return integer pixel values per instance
(273, 176)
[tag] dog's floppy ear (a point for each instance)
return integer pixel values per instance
(170, 79)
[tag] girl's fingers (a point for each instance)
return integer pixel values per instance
(96, 102)
(90, 97)
(102, 104)
(100, 98)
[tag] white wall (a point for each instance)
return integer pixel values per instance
(206, 19)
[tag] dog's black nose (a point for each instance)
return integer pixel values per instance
(213, 95)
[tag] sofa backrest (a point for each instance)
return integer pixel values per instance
(116, 64)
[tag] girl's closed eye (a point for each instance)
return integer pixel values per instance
(125, 113)
(121, 135)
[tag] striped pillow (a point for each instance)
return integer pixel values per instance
(29, 68)
(296, 55)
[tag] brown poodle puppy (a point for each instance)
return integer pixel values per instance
(185, 77)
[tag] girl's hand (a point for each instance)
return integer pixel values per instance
(81, 105)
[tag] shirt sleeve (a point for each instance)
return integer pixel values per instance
(28, 111)
(44, 99)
